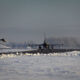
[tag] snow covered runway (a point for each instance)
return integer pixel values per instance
(41, 67)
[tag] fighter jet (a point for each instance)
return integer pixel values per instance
(3, 40)
(42, 48)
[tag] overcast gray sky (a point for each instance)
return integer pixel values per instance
(23, 20)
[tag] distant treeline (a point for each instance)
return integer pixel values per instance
(67, 43)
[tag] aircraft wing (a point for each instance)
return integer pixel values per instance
(55, 44)
(36, 45)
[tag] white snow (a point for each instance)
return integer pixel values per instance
(63, 66)
(14, 50)
(3, 46)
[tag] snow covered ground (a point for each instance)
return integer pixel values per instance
(63, 66)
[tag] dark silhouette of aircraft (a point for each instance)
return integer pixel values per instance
(3, 40)
(45, 47)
